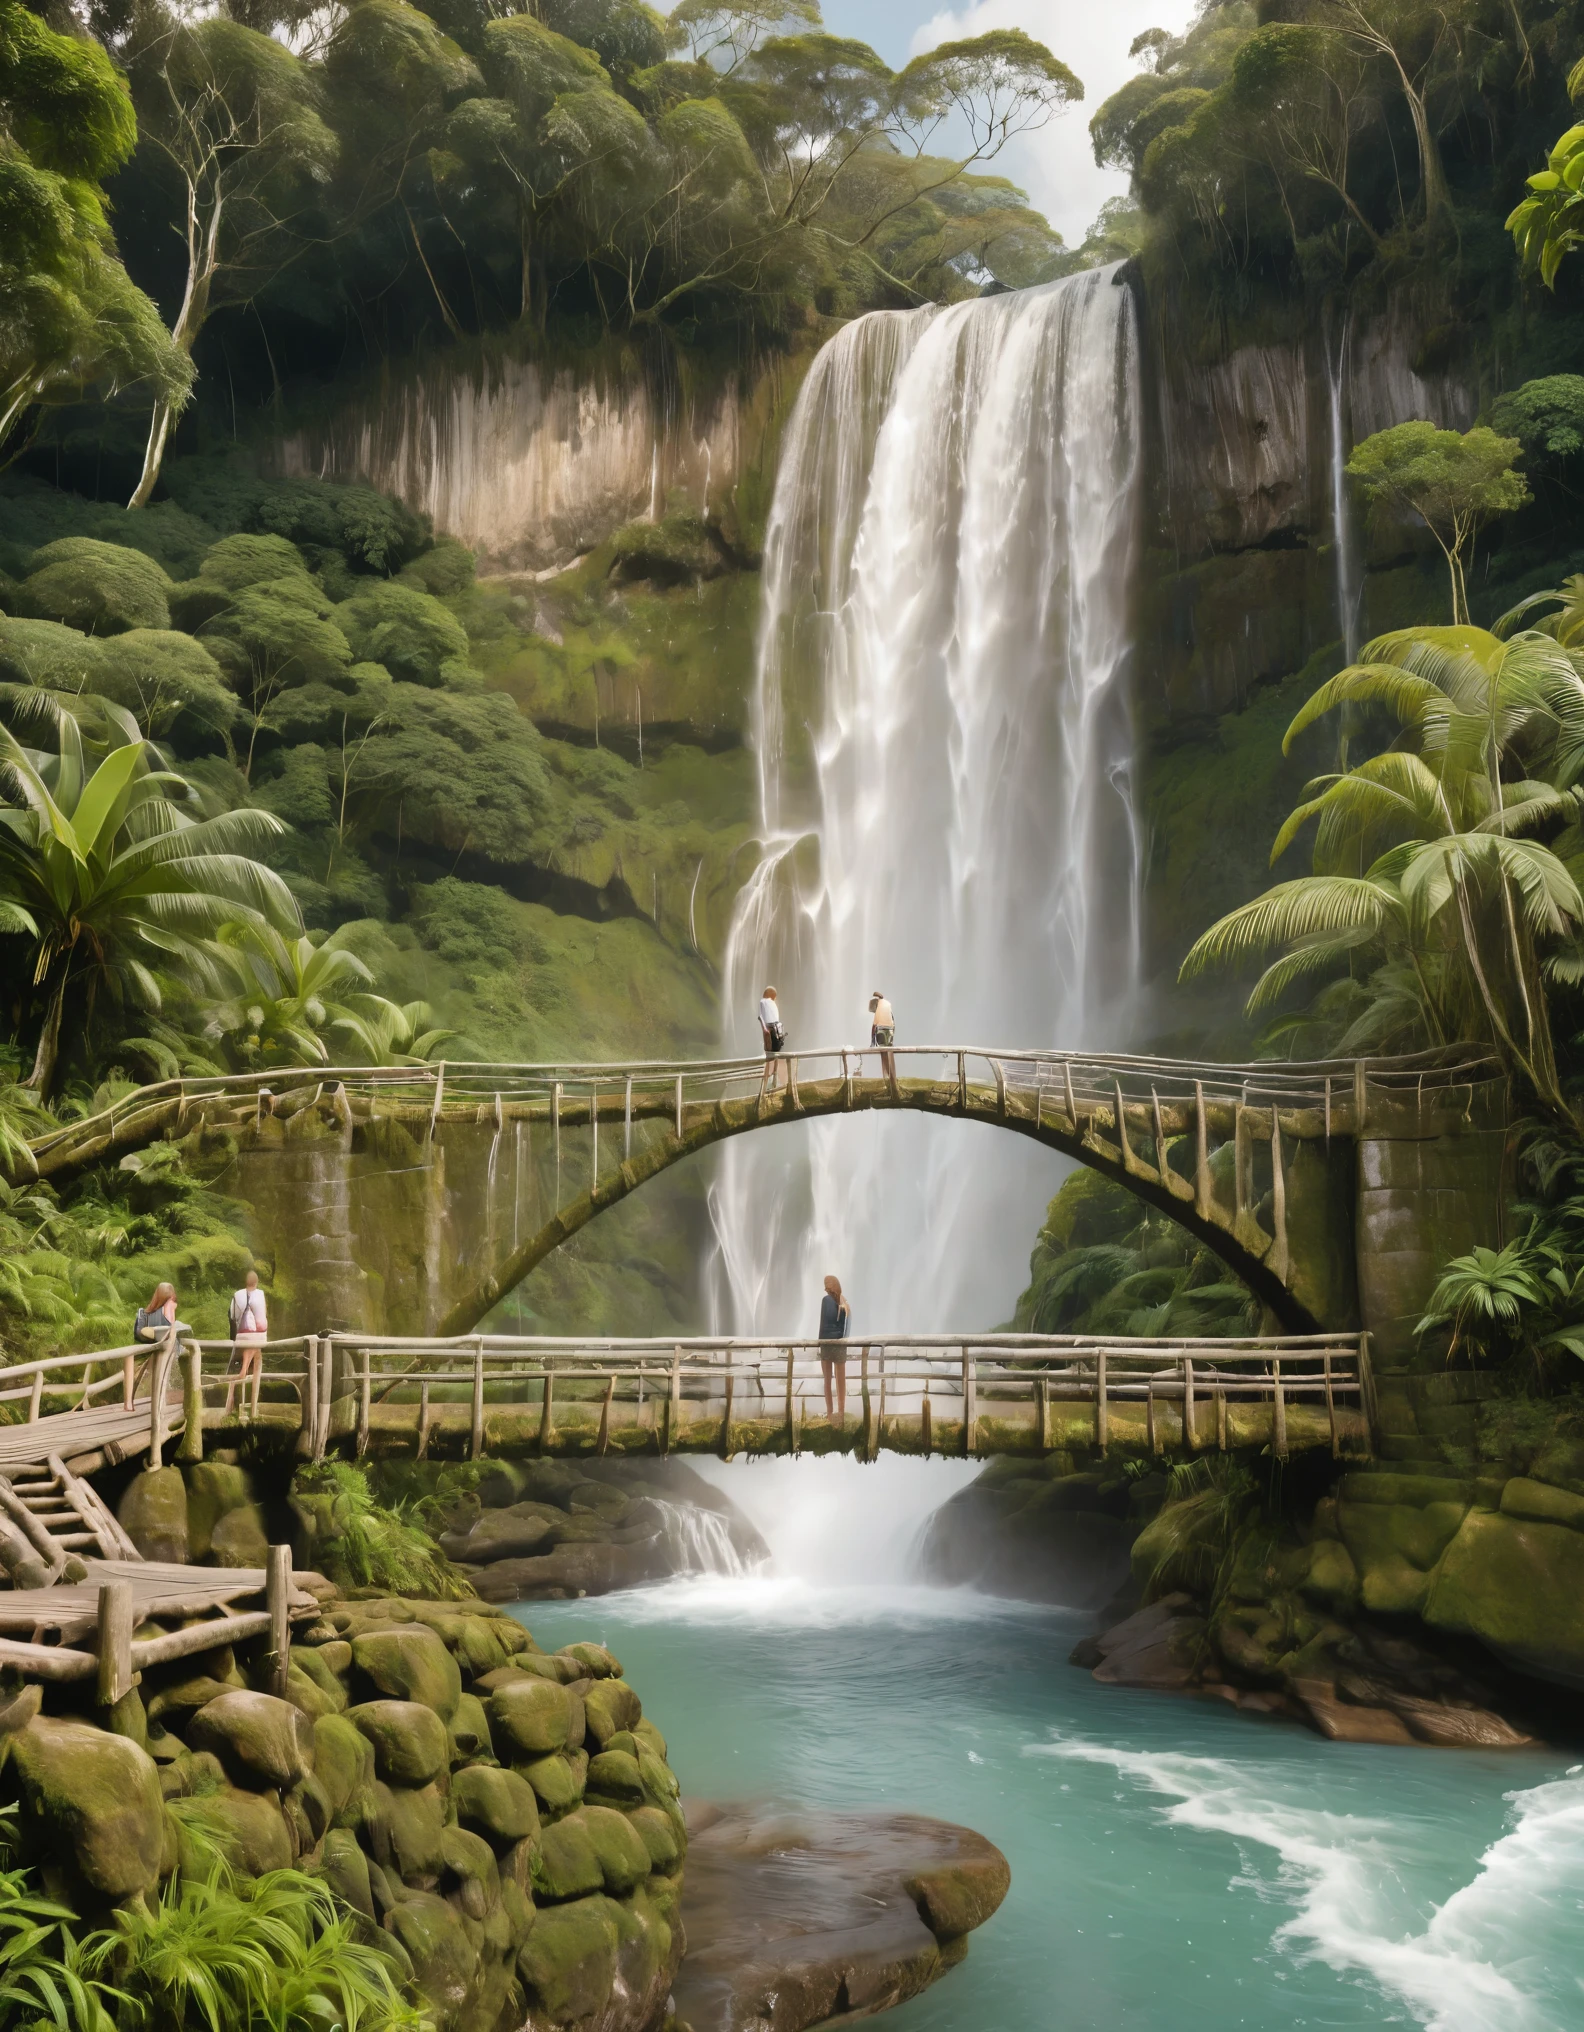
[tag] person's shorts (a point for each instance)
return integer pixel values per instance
(833, 1351)
(885, 1036)
(775, 1042)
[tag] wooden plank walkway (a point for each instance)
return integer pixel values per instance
(110, 1430)
(161, 1592)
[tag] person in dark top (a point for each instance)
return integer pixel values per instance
(835, 1319)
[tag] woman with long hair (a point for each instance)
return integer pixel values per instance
(835, 1320)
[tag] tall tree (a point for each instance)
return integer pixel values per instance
(1453, 483)
(70, 316)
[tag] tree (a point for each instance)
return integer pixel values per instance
(1549, 223)
(1546, 416)
(117, 877)
(1425, 876)
(283, 995)
(1454, 483)
(70, 316)
(233, 118)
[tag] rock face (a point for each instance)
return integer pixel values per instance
(528, 465)
(1039, 1531)
(799, 1919)
(436, 1767)
(542, 1530)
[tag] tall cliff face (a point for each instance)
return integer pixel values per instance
(532, 465)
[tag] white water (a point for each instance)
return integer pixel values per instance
(699, 1540)
(944, 749)
(1344, 548)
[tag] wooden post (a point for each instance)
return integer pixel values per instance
(999, 1070)
(1129, 1162)
(970, 1404)
(258, 1386)
(627, 1122)
(116, 1616)
(673, 1401)
(439, 1096)
(555, 1125)
(160, 1368)
(593, 1141)
(877, 1430)
(962, 1079)
(1190, 1438)
(1331, 1419)
(1367, 1397)
(863, 1397)
(191, 1448)
(422, 1451)
(602, 1444)
(128, 1384)
(926, 1425)
(277, 1599)
(1042, 1411)
(326, 1385)
(308, 1436)
(363, 1406)
(1328, 1111)
(1278, 1411)
(725, 1432)
(847, 1084)
(1102, 1409)
(679, 1107)
(793, 1095)
(37, 1397)
(1241, 1162)
(547, 1412)
(476, 1441)
(1160, 1134)
(1360, 1098)
(1072, 1104)
(1221, 1417)
(1278, 1256)
(1202, 1191)
(789, 1392)
(1149, 1414)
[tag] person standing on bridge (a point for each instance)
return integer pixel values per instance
(249, 1332)
(835, 1322)
(155, 1320)
(882, 1031)
(774, 1033)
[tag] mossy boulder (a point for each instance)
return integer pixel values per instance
(311, 1662)
(497, 1804)
(411, 1744)
(610, 1705)
(1332, 1579)
(214, 1490)
(470, 1731)
(261, 1741)
(623, 1854)
(596, 1661)
(468, 1873)
(1517, 1585)
(344, 1868)
(91, 1803)
(444, 1959)
(568, 1864)
(153, 1513)
(410, 1664)
(252, 1830)
(404, 1825)
(344, 1767)
(568, 1964)
(614, 1779)
(529, 1718)
(658, 1836)
(240, 1539)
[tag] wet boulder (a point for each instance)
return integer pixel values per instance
(91, 1805)
(411, 1745)
(261, 1741)
(409, 1664)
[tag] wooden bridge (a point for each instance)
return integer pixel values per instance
(1301, 1177)
(497, 1396)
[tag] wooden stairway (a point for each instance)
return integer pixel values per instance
(61, 1513)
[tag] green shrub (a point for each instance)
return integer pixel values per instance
(101, 588)
(359, 1542)
(406, 630)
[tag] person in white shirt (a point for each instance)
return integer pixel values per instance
(774, 1033)
(882, 1031)
(249, 1332)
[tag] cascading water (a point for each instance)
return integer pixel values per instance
(1349, 592)
(945, 760)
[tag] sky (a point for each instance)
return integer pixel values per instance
(1055, 166)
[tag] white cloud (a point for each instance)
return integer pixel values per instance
(1056, 165)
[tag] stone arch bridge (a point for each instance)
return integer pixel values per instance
(396, 1195)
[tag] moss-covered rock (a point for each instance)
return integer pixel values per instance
(497, 1804)
(444, 1959)
(611, 1705)
(91, 1806)
(310, 1660)
(214, 1490)
(153, 1513)
(344, 1767)
(470, 1731)
(614, 1779)
(469, 1876)
(411, 1745)
(569, 1864)
(252, 1830)
(404, 1827)
(659, 1837)
(410, 1664)
(1517, 1585)
(622, 1852)
(568, 1965)
(260, 1740)
(344, 1868)
(239, 1539)
(529, 1718)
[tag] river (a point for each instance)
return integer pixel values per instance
(1175, 1867)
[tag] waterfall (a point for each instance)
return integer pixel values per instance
(1349, 592)
(943, 738)
(697, 1540)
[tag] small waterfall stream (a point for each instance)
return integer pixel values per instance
(945, 756)
(1349, 589)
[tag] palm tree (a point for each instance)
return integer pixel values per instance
(283, 993)
(392, 1033)
(104, 866)
(1423, 875)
